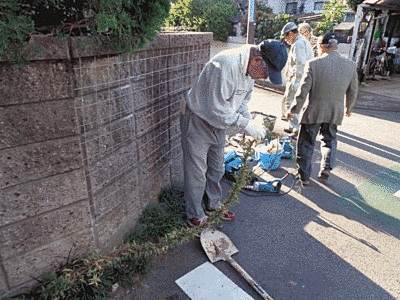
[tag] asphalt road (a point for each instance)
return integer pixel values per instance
(336, 239)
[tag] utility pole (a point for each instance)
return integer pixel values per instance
(251, 23)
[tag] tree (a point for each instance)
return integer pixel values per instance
(179, 14)
(333, 15)
(272, 26)
(353, 4)
(217, 19)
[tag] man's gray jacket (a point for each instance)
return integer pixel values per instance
(222, 91)
(327, 80)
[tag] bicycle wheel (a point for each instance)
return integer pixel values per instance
(371, 69)
(385, 68)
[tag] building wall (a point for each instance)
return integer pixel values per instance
(279, 6)
(88, 137)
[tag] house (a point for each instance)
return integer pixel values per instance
(382, 17)
(296, 6)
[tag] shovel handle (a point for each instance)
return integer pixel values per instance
(248, 278)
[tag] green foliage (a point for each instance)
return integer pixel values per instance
(353, 4)
(130, 23)
(333, 15)
(263, 12)
(244, 176)
(159, 220)
(272, 26)
(204, 15)
(262, 8)
(179, 14)
(15, 28)
(127, 24)
(217, 17)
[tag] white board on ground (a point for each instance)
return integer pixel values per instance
(207, 282)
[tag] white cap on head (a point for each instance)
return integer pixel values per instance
(288, 27)
(305, 27)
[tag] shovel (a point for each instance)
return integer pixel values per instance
(218, 246)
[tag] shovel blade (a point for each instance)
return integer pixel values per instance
(217, 245)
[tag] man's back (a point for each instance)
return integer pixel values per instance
(327, 80)
(332, 75)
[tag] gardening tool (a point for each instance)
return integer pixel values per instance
(273, 186)
(218, 246)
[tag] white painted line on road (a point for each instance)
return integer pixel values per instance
(207, 282)
(397, 194)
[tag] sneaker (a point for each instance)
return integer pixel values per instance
(305, 182)
(195, 222)
(324, 174)
(300, 177)
(227, 215)
(283, 118)
(288, 130)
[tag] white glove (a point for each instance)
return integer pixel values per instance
(256, 130)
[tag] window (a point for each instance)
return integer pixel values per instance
(318, 5)
(291, 8)
(349, 18)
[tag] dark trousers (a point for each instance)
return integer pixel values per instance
(305, 147)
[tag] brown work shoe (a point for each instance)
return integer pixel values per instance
(226, 214)
(195, 222)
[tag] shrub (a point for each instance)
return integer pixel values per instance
(127, 24)
(15, 28)
(204, 15)
(272, 26)
(217, 17)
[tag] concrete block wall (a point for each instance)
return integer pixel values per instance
(88, 137)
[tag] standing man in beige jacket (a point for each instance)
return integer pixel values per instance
(300, 52)
(306, 31)
(330, 81)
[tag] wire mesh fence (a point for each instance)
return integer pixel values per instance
(128, 112)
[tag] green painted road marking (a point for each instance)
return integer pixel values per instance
(376, 197)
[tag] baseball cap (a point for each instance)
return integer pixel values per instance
(288, 27)
(327, 37)
(275, 55)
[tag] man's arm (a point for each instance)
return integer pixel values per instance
(351, 93)
(244, 109)
(302, 92)
(300, 60)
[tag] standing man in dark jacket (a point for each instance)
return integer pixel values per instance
(328, 80)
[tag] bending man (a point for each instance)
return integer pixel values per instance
(217, 100)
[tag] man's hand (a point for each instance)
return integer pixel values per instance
(348, 114)
(289, 116)
(256, 130)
